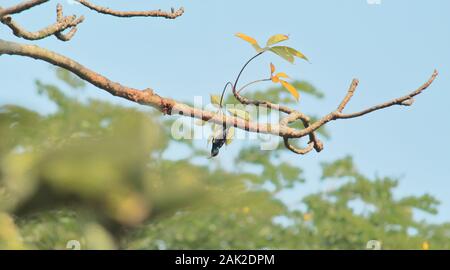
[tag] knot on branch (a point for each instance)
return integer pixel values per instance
(148, 91)
(313, 143)
(408, 102)
(166, 106)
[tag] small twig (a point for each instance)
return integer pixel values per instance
(349, 95)
(62, 23)
(60, 17)
(151, 13)
(300, 151)
(338, 115)
(404, 101)
(56, 28)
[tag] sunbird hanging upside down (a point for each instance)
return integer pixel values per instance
(218, 140)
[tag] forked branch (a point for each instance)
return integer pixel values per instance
(62, 23)
(70, 22)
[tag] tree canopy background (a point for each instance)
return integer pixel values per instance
(98, 173)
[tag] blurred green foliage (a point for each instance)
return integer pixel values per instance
(96, 173)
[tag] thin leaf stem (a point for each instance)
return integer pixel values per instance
(251, 83)
(223, 93)
(242, 70)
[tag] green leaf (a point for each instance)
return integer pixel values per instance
(277, 39)
(283, 53)
(288, 53)
(296, 53)
(258, 48)
(215, 99)
(230, 136)
(240, 113)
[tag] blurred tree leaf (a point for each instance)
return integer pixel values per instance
(70, 79)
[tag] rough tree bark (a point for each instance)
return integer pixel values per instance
(167, 105)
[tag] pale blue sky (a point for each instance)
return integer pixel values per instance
(392, 48)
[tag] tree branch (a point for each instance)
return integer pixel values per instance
(145, 97)
(62, 23)
(407, 100)
(151, 13)
(169, 106)
(21, 7)
(300, 151)
(349, 95)
(404, 101)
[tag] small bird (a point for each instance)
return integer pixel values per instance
(218, 140)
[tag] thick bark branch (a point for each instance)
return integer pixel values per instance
(145, 97)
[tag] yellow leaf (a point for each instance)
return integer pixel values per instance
(272, 68)
(425, 245)
(282, 75)
(291, 89)
(247, 38)
(275, 79)
(215, 99)
(250, 40)
(276, 39)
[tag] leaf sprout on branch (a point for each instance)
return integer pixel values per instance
(223, 135)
